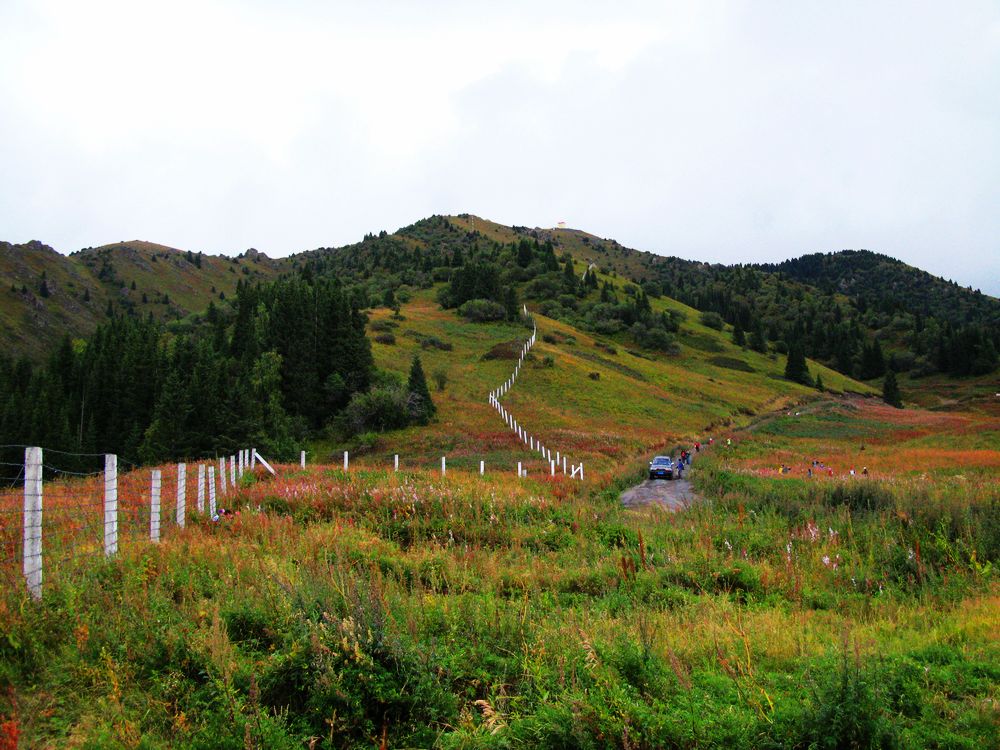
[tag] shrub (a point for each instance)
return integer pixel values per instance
(385, 338)
(382, 408)
(711, 320)
(860, 496)
(440, 376)
(482, 311)
(845, 711)
(594, 375)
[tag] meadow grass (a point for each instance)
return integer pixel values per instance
(369, 608)
(409, 609)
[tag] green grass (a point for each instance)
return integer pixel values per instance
(408, 609)
(471, 612)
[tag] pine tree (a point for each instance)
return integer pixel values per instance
(758, 340)
(819, 383)
(418, 395)
(795, 367)
(569, 277)
(739, 338)
(890, 390)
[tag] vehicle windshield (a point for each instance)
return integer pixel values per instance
(661, 461)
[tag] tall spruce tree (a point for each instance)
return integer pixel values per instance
(795, 367)
(890, 390)
(758, 339)
(418, 400)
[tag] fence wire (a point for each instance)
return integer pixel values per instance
(73, 512)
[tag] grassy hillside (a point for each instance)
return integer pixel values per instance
(373, 608)
(639, 400)
(835, 305)
(141, 277)
(32, 324)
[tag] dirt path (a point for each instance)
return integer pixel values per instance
(673, 495)
(679, 494)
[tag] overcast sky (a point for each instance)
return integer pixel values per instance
(721, 131)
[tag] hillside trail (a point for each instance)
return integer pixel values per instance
(678, 494)
(671, 494)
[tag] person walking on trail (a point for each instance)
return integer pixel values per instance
(697, 447)
(864, 471)
(680, 469)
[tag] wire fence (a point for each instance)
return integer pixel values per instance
(60, 516)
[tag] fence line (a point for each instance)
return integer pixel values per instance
(89, 514)
(533, 443)
(78, 514)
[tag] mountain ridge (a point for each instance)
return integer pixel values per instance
(924, 325)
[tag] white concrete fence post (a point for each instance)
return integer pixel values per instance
(482, 468)
(395, 462)
(253, 457)
(181, 494)
(553, 465)
(211, 490)
(519, 469)
(442, 466)
(222, 476)
(32, 556)
(232, 471)
(201, 488)
(302, 459)
(564, 464)
(239, 466)
(346, 461)
(154, 506)
(110, 504)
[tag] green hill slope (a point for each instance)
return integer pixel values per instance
(856, 312)
(592, 397)
(138, 277)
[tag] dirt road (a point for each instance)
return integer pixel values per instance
(675, 494)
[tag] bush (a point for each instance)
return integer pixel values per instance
(847, 710)
(655, 338)
(712, 320)
(385, 338)
(861, 495)
(594, 375)
(440, 376)
(382, 408)
(482, 311)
